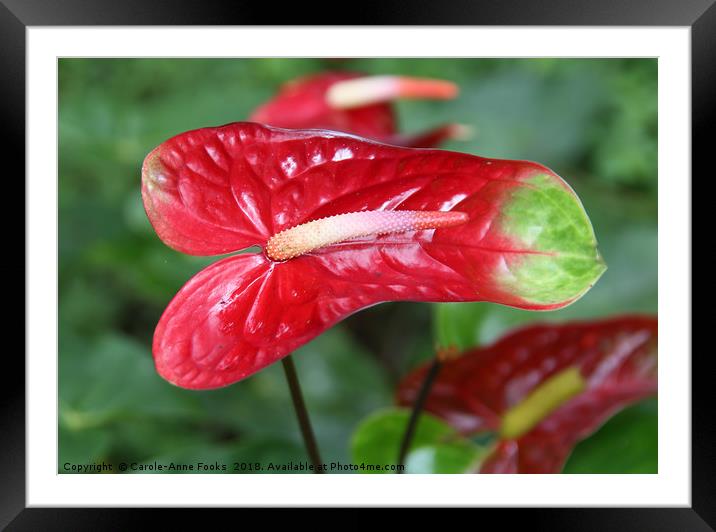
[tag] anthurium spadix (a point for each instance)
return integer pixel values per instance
(345, 223)
(357, 104)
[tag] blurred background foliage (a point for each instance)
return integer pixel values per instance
(593, 121)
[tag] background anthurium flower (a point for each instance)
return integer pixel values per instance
(358, 104)
(543, 388)
(433, 226)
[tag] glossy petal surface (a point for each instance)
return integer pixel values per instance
(219, 190)
(303, 104)
(617, 359)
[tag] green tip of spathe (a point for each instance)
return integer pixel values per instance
(559, 261)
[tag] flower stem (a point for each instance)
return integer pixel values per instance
(304, 421)
(417, 410)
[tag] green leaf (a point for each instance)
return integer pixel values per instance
(458, 324)
(436, 447)
(627, 443)
(114, 378)
(461, 456)
(79, 447)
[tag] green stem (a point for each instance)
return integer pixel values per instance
(304, 421)
(417, 410)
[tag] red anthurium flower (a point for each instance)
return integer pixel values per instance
(345, 223)
(543, 388)
(357, 104)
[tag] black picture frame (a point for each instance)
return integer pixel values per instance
(699, 15)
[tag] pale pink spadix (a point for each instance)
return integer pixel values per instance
(367, 90)
(307, 237)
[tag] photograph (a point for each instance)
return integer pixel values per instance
(378, 265)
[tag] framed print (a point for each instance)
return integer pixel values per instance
(434, 262)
